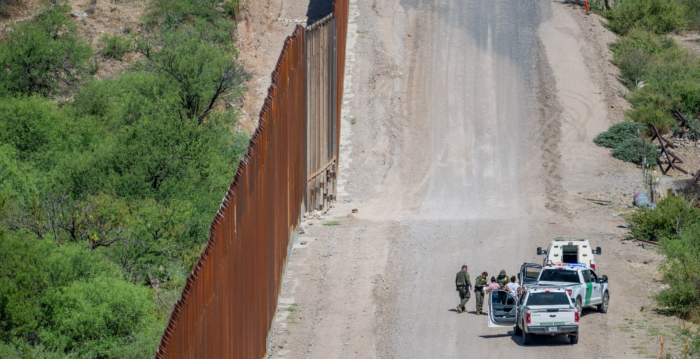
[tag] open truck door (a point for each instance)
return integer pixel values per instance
(502, 308)
(529, 272)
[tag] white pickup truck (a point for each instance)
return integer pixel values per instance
(583, 284)
(537, 311)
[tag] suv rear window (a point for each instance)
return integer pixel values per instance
(552, 298)
(559, 275)
(532, 272)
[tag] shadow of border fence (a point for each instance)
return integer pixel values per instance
(229, 301)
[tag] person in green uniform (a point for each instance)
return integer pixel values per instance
(502, 281)
(463, 286)
(479, 286)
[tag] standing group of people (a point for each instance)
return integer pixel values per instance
(481, 286)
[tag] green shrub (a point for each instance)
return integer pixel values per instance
(114, 46)
(689, 129)
(201, 71)
(655, 224)
(659, 16)
(21, 292)
(617, 133)
(630, 150)
(19, 181)
(670, 75)
(32, 125)
(202, 15)
(681, 271)
(692, 13)
(233, 8)
(635, 53)
(90, 317)
(43, 52)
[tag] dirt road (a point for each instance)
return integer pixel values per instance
(467, 139)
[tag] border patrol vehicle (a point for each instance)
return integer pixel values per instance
(570, 250)
(582, 284)
(538, 311)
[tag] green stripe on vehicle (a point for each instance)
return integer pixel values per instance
(589, 291)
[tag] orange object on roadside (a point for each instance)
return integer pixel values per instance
(587, 11)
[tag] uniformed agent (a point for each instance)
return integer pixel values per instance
(479, 286)
(502, 279)
(463, 286)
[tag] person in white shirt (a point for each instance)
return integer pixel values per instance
(513, 288)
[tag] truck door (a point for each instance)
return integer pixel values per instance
(502, 309)
(569, 254)
(595, 287)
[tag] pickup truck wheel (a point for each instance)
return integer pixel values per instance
(573, 339)
(579, 305)
(527, 338)
(603, 306)
(517, 329)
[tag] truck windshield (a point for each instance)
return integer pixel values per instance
(558, 275)
(552, 298)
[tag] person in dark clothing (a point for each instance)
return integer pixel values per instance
(463, 286)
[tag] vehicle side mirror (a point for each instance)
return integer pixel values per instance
(601, 280)
(598, 251)
(540, 251)
(604, 278)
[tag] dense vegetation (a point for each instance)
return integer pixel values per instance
(661, 77)
(669, 75)
(107, 187)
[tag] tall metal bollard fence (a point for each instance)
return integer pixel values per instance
(229, 300)
(322, 112)
(326, 44)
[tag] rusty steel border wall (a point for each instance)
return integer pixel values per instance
(321, 113)
(229, 301)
